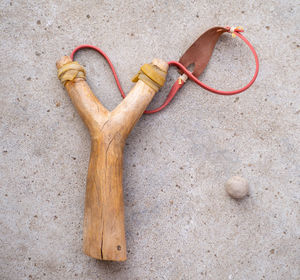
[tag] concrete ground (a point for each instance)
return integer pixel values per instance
(180, 224)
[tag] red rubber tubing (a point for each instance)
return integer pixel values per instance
(107, 59)
(177, 85)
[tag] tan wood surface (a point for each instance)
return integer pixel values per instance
(104, 230)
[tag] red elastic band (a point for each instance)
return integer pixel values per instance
(179, 82)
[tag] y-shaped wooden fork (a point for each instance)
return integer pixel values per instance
(104, 230)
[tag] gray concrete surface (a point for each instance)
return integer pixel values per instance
(180, 224)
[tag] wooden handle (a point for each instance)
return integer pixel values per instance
(104, 230)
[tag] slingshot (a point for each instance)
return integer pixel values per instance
(104, 230)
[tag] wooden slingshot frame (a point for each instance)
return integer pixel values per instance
(104, 230)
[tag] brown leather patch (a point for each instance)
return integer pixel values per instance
(200, 52)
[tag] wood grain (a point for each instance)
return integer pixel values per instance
(104, 230)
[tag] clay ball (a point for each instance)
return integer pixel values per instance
(237, 187)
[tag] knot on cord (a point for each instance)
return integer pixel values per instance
(70, 71)
(233, 29)
(151, 75)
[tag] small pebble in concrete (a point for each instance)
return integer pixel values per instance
(237, 187)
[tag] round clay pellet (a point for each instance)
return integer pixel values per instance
(237, 187)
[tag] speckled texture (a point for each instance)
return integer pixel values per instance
(180, 224)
